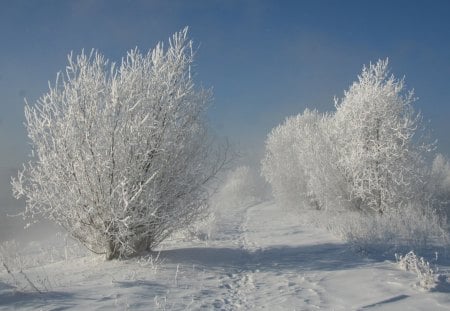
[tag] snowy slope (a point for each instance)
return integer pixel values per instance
(256, 258)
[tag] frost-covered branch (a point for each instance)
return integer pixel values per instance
(122, 151)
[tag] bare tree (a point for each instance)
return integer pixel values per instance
(121, 152)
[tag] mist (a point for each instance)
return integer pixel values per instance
(263, 60)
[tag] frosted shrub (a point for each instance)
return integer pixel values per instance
(14, 262)
(439, 185)
(281, 167)
(364, 166)
(121, 153)
(10, 255)
(381, 234)
(299, 163)
(426, 275)
(57, 249)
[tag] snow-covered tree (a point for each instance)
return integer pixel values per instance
(300, 163)
(377, 137)
(364, 168)
(326, 178)
(281, 167)
(438, 186)
(368, 155)
(121, 153)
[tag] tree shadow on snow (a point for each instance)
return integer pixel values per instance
(207, 256)
(24, 299)
(443, 285)
(325, 257)
(144, 285)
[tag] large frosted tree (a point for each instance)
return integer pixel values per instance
(377, 134)
(121, 152)
(366, 166)
(368, 155)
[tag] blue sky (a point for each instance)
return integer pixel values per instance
(264, 59)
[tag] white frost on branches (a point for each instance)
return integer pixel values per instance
(300, 162)
(366, 156)
(121, 151)
(427, 276)
(375, 132)
(369, 159)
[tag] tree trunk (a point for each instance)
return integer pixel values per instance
(112, 252)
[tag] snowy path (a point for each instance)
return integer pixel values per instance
(268, 261)
(257, 258)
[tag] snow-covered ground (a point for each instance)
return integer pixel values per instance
(257, 257)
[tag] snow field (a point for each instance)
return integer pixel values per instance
(256, 258)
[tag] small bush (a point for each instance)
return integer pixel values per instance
(427, 276)
(382, 235)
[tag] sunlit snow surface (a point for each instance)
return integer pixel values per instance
(257, 257)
